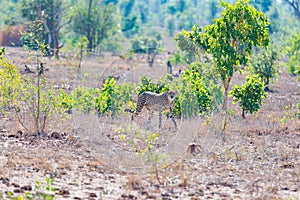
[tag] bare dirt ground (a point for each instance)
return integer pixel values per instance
(95, 158)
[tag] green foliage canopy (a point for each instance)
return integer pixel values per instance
(231, 37)
(45, 16)
(96, 21)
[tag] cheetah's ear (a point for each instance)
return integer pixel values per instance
(174, 92)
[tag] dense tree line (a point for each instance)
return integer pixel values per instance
(57, 22)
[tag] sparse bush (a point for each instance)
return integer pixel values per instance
(293, 50)
(264, 65)
(249, 95)
(147, 45)
(41, 102)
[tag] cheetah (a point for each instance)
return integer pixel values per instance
(155, 102)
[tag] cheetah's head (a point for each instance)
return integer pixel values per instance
(172, 95)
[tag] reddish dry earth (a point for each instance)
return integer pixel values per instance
(260, 158)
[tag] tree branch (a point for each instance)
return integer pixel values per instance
(295, 4)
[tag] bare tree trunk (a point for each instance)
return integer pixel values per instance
(88, 30)
(295, 4)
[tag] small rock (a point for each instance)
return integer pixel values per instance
(18, 190)
(4, 180)
(27, 188)
(63, 192)
(93, 195)
(55, 135)
(15, 185)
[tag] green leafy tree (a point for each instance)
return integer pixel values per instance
(130, 25)
(213, 9)
(231, 37)
(262, 5)
(48, 16)
(249, 95)
(96, 21)
(34, 35)
(295, 4)
(191, 43)
(264, 65)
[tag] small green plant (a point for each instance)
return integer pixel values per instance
(144, 144)
(249, 95)
(41, 102)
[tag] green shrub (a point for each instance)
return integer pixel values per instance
(83, 99)
(147, 84)
(10, 84)
(194, 98)
(113, 97)
(249, 95)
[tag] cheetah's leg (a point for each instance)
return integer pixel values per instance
(172, 117)
(159, 119)
(151, 113)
